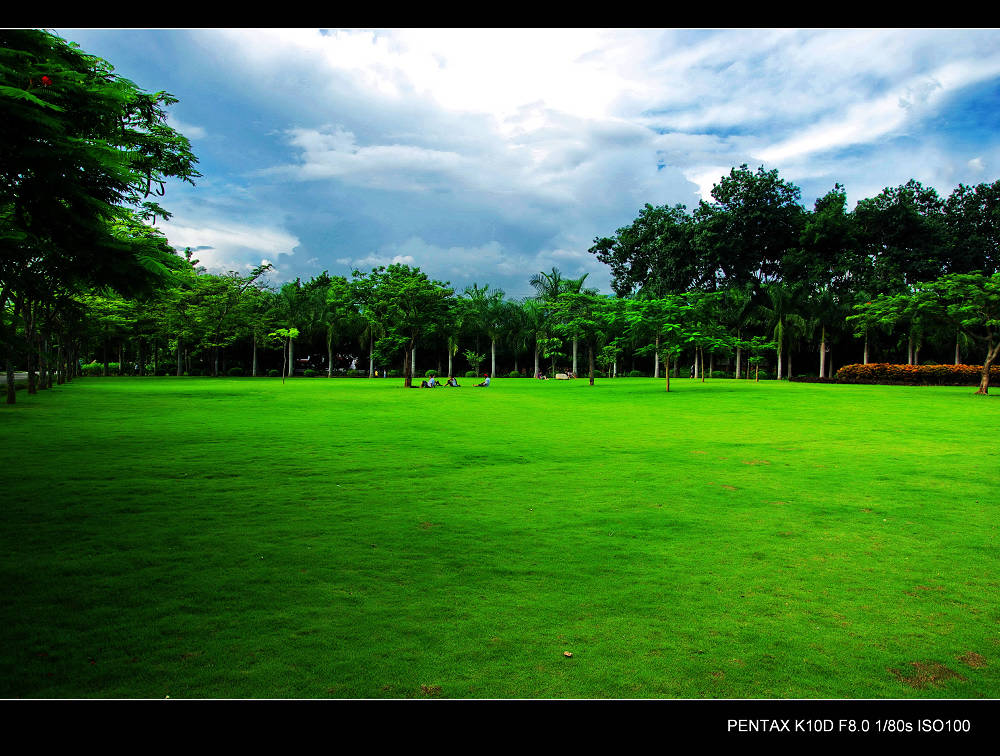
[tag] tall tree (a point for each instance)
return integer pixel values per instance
(752, 224)
(406, 305)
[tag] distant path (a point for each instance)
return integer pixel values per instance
(17, 377)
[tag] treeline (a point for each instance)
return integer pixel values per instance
(907, 272)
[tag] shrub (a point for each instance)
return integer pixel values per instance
(395, 373)
(636, 374)
(599, 374)
(513, 374)
(430, 373)
(97, 368)
(930, 375)
(472, 374)
(164, 370)
(235, 372)
(309, 373)
(718, 374)
(273, 373)
(194, 371)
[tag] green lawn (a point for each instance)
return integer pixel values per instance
(199, 537)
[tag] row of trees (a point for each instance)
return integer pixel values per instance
(85, 273)
(814, 269)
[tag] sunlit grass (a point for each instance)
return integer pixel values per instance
(351, 538)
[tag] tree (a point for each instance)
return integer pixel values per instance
(550, 285)
(968, 301)
(406, 305)
(902, 231)
(753, 223)
(82, 152)
(972, 222)
(654, 254)
(586, 316)
(340, 315)
(487, 309)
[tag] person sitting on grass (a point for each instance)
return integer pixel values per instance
(541, 376)
(486, 381)
(453, 381)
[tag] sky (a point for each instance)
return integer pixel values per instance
(489, 155)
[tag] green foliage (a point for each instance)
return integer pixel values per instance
(475, 360)
(235, 372)
(430, 373)
(309, 373)
(273, 373)
(471, 374)
(636, 374)
(514, 374)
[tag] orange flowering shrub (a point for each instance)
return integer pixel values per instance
(932, 375)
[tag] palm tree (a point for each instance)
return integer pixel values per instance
(550, 285)
(488, 311)
(781, 316)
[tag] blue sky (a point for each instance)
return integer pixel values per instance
(489, 155)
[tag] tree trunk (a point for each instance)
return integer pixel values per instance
(574, 358)
(371, 356)
(450, 374)
(656, 358)
(284, 359)
(253, 369)
(329, 359)
(957, 353)
(822, 354)
(493, 358)
(537, 370)
(866, 347)
(413, 362)
(291, 357)
(408, 355)
(590, 360)
(180, 357)
(909, 350)
(666, 369)
(739, 355)
(991, 354)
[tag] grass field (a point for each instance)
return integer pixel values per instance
(199, 537)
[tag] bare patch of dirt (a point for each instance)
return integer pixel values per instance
(972, 659)
(428, 525)
(730, 488)
(926, 673)
(924, 588)
(431, 690)
(756, 462)
(699, 452)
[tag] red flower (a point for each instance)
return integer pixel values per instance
(46, 81)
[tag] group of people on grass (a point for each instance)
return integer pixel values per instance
(432, 382)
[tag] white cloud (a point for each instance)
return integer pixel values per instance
(188, 130)
(224, 247)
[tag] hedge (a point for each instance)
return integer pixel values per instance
(930, 375)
